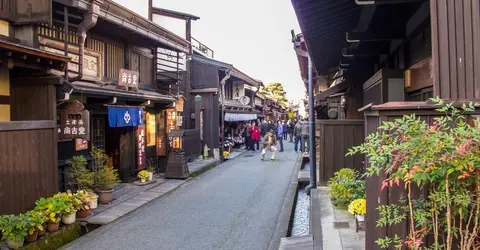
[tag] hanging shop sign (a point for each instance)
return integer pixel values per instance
(238, 89)
(92, 60)
(179, 104)
(162, 146)
(171, 120)
(81, 144)
(74, 122)
(125, 116)
(141, 146)
(128, 79)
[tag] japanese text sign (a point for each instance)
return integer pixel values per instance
(74, 122)
(141, 146)
(128, 79)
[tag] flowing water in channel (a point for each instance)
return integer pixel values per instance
(301, 220)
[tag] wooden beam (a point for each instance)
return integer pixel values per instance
(385, 35)
(364, 52)
(371, 2)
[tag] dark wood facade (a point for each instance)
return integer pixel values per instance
(334, 138)
(432, 44)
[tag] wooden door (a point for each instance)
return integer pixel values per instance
(128, 154)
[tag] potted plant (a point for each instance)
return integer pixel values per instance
(71, 204)
(35, 223)
(81, 176)
(151, 168)
(14, 230)
(93, 197)
(143, 175)
(358, 208)
(84, 209)
(45, 217)
(105, 176)
(53, 207)
(345, 186)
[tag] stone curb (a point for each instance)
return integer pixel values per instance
(283, 221)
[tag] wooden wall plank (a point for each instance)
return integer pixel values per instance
(336, 138)
(28, 168)
(469, 70)
(460, 42)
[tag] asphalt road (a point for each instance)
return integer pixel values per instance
(233, 206)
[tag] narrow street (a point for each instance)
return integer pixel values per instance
(233, 206)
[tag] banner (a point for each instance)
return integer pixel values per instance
(125, 116)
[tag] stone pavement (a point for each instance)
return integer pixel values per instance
(128, 197)
(336, 226)
(233, 206)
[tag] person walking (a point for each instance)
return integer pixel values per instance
(297, 132)
(280, 135)
(255, 136)
(272, 126)
(269, 143)
(291, 126)
(304, 133)
(264, 128)
(247, 136)
(285, 130)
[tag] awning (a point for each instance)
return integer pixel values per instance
(112, 90)
(125, 116)
(235, 117)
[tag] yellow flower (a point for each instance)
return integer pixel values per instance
(358, 206)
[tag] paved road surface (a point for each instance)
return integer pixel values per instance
(233, 206)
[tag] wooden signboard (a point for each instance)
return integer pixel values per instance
(179, 104)
(31, 11)
(92, 61)
(128, 79)
(81, 144)
(162, 146)
(141, 146)
(74, 122)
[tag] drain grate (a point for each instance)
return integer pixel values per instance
(341, 224)
(248, 156)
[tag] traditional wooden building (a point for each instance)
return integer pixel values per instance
(208, 75)
(393, 56)
(126, 72)
(28, 107)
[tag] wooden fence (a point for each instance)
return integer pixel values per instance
(192, 143)
(28, 164)
(335, 137)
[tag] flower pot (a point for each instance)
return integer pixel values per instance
(69, 218)
(52, 227)
(360, 217)
(143, 180)
(83, 213)
(93, 204)
(15, 244)
(150, 178)
(32, 237)
(42, 232)
(105, 197)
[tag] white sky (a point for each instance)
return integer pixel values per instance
(253, 35)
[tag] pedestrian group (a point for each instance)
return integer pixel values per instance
(271, 133)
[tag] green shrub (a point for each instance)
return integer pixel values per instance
(347, 185)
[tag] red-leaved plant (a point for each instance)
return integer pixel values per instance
(442, 157)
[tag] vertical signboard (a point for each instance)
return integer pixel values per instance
(141, 146)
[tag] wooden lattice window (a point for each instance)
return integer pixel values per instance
(98, 129)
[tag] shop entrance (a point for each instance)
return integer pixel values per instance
(120, 147)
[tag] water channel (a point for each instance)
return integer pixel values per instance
(301, 218)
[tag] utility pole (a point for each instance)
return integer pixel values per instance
(222, 112)
(311, 127)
